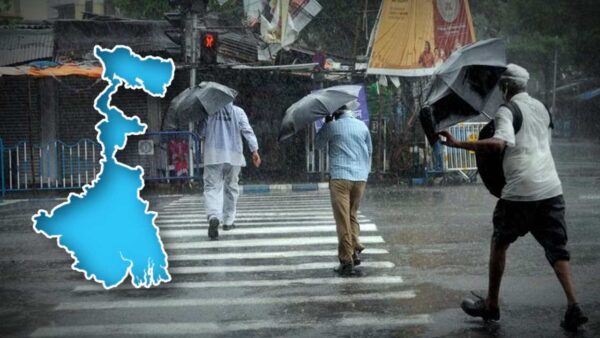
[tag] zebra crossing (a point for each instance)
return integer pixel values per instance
(272, 273)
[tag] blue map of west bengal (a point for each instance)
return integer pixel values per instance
(108, 229)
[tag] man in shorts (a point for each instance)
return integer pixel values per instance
(532, 198)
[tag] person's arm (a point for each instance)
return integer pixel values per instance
(322, 137)
(249, 135)
(488, 145)
(504, 135)
(369, 143)
(202, 128)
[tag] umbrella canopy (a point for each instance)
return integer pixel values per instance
(214, 96)
(315, 106)
(465, 86)
(196, 103)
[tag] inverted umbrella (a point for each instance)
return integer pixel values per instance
(464, 86)
(196, 103)
(315, 106)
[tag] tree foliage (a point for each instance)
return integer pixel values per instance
(535, 29)
(5, 5)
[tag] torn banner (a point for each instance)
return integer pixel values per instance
(281, 21)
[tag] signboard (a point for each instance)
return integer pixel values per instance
(415, 36)
(145, 147)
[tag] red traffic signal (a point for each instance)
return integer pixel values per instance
(209, 40)
(209, 43)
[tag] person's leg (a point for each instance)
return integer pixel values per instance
(231, 193)
(356, 193)
(562, 268)
(213, 197)
(340, 202)
(510, 220)
(496, 270)
(213, 190)
(550, 231)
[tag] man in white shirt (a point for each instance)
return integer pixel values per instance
(223, 160)
(532, 198)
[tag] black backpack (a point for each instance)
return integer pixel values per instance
(489, 164)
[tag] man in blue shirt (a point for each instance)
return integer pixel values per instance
(350, 151)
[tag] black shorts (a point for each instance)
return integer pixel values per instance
(545, 220)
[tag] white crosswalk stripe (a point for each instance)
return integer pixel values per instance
(264, 230)
(284, 247)
(262, 283)
(202, 329)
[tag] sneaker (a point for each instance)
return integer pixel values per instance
(213, 228)
(574, 318)
(228, 227)
(478, 308)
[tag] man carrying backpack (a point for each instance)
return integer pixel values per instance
(531, 200)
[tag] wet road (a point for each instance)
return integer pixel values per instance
(272, 276)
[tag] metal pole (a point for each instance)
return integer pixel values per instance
(30, 137)
(553, 109)
(193, 57)
(2, 186)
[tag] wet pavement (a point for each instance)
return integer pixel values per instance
(272, 276)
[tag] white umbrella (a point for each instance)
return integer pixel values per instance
(195, 104)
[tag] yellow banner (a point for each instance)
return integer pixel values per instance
(415, 36)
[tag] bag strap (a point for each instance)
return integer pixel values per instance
(516, 113)
(551, 125)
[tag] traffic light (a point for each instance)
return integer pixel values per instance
(175, 33)
(209, 44)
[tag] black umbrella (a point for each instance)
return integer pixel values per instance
(196, 103)
(315, 106)
(464, 86)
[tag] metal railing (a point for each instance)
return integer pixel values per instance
(457, 160)
(317, 161)
(56, 165)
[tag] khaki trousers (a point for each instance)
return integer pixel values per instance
(345, 200)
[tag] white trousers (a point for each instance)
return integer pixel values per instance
(221, 191)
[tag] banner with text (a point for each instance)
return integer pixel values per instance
(413, 37)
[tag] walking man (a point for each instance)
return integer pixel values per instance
(531, 200)
(350, 152)
(223, 160)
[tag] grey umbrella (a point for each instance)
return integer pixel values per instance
(315, 106)
(195, 104)
(465, 86)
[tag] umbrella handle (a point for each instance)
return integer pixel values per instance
(486, 115)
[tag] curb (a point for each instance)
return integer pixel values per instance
(247, 189)
(268, 188)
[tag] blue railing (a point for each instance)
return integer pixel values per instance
(58, 165)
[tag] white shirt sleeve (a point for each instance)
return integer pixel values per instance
(246, 129)
(504, 126)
